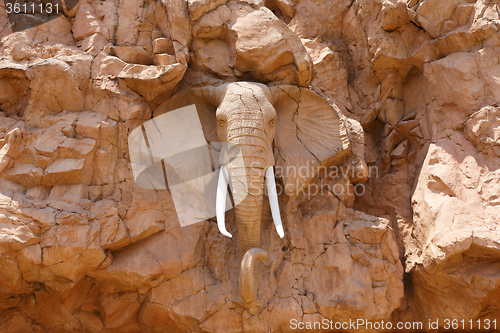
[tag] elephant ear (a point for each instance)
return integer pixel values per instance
(206, 103)
(310, 133)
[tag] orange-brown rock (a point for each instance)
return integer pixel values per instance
(412, 236)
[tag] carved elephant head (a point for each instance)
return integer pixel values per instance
(285, 126)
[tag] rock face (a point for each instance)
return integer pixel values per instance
(84, 249)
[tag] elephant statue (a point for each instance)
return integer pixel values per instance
(285, 127)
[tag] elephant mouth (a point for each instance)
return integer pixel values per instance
(222, 192)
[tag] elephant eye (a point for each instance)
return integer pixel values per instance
(221, 123)
(271, 123)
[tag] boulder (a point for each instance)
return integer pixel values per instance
(65, 171)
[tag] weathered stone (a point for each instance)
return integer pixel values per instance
(102, 255)
(326, 61)
(211, 25)
(72, 148)
(10, 149)
(65, 171)
(113, 234)
(44, 217)
(134, 54)
(25, 174)
(247, 44)
(144, 264)
(163, 59)
(119, 309)
(163, 45)
(483, 130)
(71, 194)
(152, 82)
(199, 7)
(14, 235)
(57, 76)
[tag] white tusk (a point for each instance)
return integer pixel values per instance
(220, 203)
(273, 201)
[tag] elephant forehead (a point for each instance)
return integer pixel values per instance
(246, 105)
(251, 91)
(247, 85)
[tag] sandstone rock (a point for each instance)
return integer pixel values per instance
(326, 61)
(129, 29)
(355, 244)
(101, 255)
(10, 149)
(25, 174)
(59, 317)
(72, 148)
(247, 46)
(432, 14)
(119, 309)
(142, 218)
(113, 234)
(154, 311)
(87, 23)
(134, 54)
(179, 28)
(450, 177)
(69, 251)
(65, 171)
(163, 45)
(16, 322)
(71, 194)
(144, 264)
(96, 126)
(287, 7)
(64, 78)
(392, 111)
(394, 15)
(89, 321)
(199, 7)
(46, 145)
(163, 59)
(461, 72)
(151, 82)
(483, 130)
(13, 85)
(14, 235)
(212, 25)
(11, 276)
(283, 312)
(319, 19)
(44, 217)
(212, 56)
(216, 322)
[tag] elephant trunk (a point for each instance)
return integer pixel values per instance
(248, 198)
(247, 182)
(247, 188)
(248, 274)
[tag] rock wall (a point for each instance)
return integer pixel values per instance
(84, 249)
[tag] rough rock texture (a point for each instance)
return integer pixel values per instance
(84, 249)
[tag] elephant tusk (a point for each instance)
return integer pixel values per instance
(273, 201)
(220, 203)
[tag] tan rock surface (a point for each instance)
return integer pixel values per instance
(84, 249)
